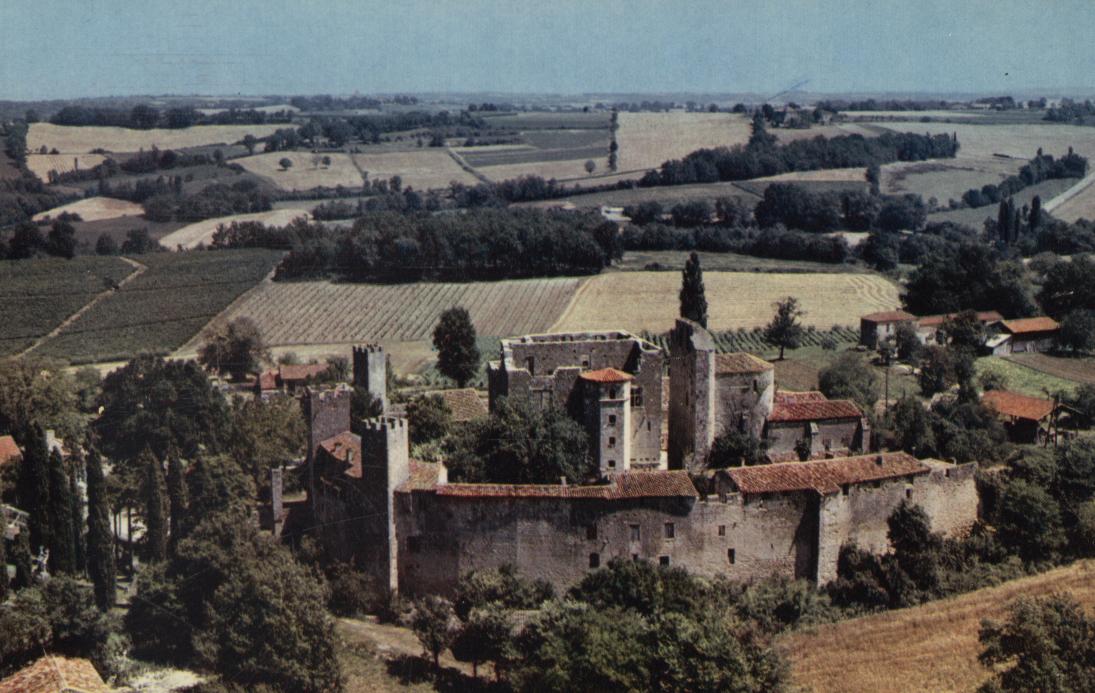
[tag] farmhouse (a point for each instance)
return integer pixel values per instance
(287, 379)
(1022, 335)
(876, 327)
(810, 425)
(928, 326)
(1027, 419)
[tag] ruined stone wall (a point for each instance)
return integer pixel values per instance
(385, 464)
(371, 371)
(743, 401)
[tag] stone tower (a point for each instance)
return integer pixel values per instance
(691, 394)
(607, 394)
(385, 464)
(327, 413)
(371, 371)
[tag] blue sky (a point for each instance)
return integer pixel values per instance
(63, 48)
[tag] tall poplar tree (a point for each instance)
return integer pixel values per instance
(100, 540)
(155, 507)
(693, 300)
(62, 549)
(78, 542)
(176, 498)
(33, 486)
(20, 556)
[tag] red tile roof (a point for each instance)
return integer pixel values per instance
(9, 451)
(814, 410)
(652, 484)
(55, 674)
(740, 362)
(301, 372)
(889, 316)
(606, 375)
(465, 404)
(268, 380)
(338, 447)
(936, 320)
(1017, 405)
(791, 397)
(1030, 325)
(423, 477)
(825, 476)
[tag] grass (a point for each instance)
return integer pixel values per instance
(674, 260)
(81, 140)
(647, 140)
(1021, 378)
(1079, 204)
(1078, 369)
(37, 295)
(548, 120)
(932, 647)
(201, 232)
(639, 301)
(41, 164)
(158, 311)
(95, 209)
(666, 195)
(976, 216)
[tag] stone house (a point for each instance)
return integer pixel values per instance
(827, 426)
(1022, 335)
(876, 327)
(928, 326)
(287, 379)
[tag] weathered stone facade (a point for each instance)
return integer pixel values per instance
(370, 365)
(544, 370)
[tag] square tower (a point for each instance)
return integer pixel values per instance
(371, 371)
(385, 464)
(608, 417)
(327, 413)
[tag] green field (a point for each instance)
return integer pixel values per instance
(548, 120)
(165, 306)
(975, 217)
(37, 295)
(673, 260)
(1022, 379)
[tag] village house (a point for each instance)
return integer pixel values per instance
(1027, 419)
(877, 327)
(811, 425)
(1023, 335)
(928, 327)
(288, 379)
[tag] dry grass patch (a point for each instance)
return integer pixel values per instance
(421, 169)
(308, 170)
(95, 209)
(69, 139)
(1078, 202)
(928, 648)
(201, 232)
(648, 139)
(857, 175)
(649, 301)
(1019, 140)
(945, 179)
(323, 312)
(41, 164)
(568, 170)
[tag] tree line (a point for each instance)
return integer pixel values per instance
(1042, 167)
(146, 117)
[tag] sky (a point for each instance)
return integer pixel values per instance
(73, 48)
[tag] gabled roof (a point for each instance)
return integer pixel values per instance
(55, 674)
(740, 362)
(606, 375)
(1016, 405)
(345, 447)
(623, 485)
(268, 380)
(825, 476)
(791, 397)
(814, 410)
(301, 372)
(889, 316)
(9, 451)
(937, 320)
(1030, 325)
(465, 404)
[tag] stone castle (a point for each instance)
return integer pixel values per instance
(416, 532)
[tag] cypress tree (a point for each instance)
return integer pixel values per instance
(3, 551)
(100, 541)
(20, 556)
(77, 523)
(155, 510)
(1036, 212)
(176, 498)
(693, 300)
(33, 488)
(1003, 222)
(62, 549)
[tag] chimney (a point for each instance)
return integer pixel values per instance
(563, 480)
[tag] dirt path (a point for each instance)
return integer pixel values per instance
(463, 163)
(1083, 184)
(138, 270)
(392, 641)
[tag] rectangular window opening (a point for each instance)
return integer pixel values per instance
(591, 532)
(594, 560)
(663, 560)
(670, 530)
(722, 530)
(634, 532)
(731, 556)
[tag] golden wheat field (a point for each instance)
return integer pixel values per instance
(79, 140)
(927, 648)
(640, 301)
(647, 140)
(201, 232)
(422, 169)
(95, 209)
(1078, 202)
(323, 312)
(826, 174)
(307, 171)
(559, 170)
(41, 164)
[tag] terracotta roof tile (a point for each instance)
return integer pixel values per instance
(1029, 325)
(889, 316)
(55, 674)
(814, 410)
(268, 380)
(465, 404)
(740, 362)
(791, 397)
(606, 375)
(338, 446)
(1017, 405)
(423, 477)
(937, 320)
(825, 476)
(301, 372)
(652, 484)
(9, 451)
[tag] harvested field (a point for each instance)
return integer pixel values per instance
(37, 295)
(324, 312)
(567, 139)
(41, 164)
(1018, 140)
(648, 301)
(857, 175)
(932, 647)
(785, 135)
(307, 171)
(549, 120)
(95, 209)
(649, 139)
(946, 179)
(757, 186)
(163, 307)
(1078, 202)
(530, 155)
(81, 140)
(421, 169)
(201, 232)
(1077, 369)
(910, 115)
(567, 170)
(673, 261)
(667, 195)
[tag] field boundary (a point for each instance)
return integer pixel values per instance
(138, 270)
(463, 163)
(194, 340)
(570, 305)
(1082, 185)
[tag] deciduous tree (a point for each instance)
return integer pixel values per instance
(454, 340)
(785, 330)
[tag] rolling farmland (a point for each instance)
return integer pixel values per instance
(421, 169)
(647, 301)
(201, 232)
(648, 139)
(163, 307)
(41, 164)
(322, 312)
(95, 209)
(68, 139)
(37, 295)
(1078, 202)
